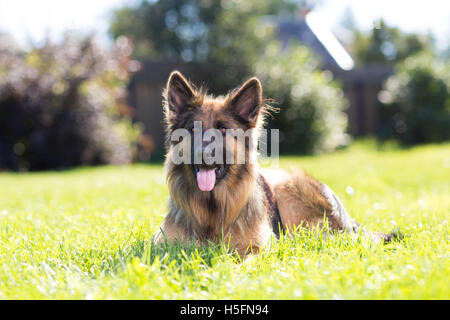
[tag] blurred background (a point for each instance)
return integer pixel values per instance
(81, 81)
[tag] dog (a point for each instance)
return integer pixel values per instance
(238, 203)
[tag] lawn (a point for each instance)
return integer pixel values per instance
(85, 234)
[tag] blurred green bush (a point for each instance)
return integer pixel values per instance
(387, 45)
(311, 115)
(415, 101)
(64, 105)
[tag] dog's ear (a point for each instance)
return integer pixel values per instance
(179, 93)
(246, 102)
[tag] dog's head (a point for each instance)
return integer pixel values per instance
(233, 119)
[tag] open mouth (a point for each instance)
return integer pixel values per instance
(207, 176)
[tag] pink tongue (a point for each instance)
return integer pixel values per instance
(206, 179)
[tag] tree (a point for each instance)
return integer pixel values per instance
(388, 45)
(348, 20)
(225, 34)
(170, 29)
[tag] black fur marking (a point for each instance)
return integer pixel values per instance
(211, 203)
(245, 122)
(272, 206)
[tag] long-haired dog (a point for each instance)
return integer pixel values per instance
(236, 202)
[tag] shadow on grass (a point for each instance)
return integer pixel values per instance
(183, 256)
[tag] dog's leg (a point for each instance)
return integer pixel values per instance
(172, 229)
(338, 210)
(303, 201)
(348, 223)
(170, 233)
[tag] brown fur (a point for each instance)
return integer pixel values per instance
(236, 210)
(300, 200)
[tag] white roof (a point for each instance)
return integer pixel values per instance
(329, 41)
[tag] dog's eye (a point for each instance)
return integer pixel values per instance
(193, 129)
(223, 130)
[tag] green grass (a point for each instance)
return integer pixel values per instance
(85, 234)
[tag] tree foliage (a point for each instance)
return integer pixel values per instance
(227, 35)
(387, 45)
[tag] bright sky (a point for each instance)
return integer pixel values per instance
(410, 15)
(34, 19)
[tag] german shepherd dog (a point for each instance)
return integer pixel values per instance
(238, 203)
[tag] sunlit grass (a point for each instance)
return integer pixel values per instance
(85, 234)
